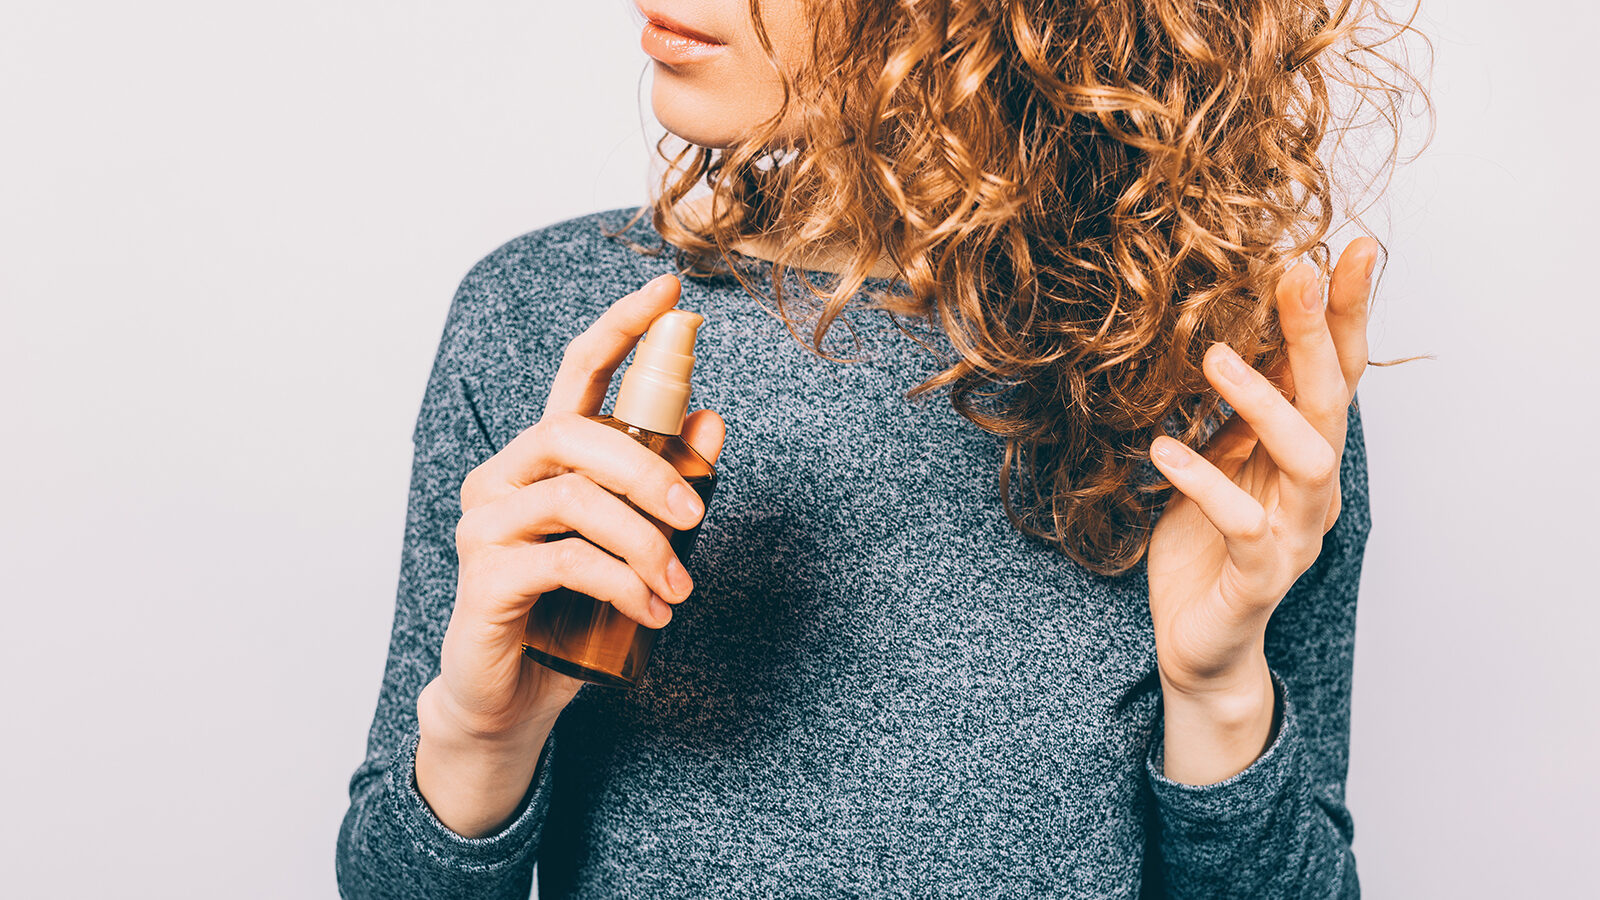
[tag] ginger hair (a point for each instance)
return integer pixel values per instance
(1083, 195)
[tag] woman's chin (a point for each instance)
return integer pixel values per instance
(700, 132)
(691, 115)
(697, 137)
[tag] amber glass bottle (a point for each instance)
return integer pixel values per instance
(574, 633)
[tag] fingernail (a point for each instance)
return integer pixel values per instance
(1311, 295)
(679, 577)
(1372, 263)
(660, 608)
(1230, 365)
(684, 502)
(1172, 455)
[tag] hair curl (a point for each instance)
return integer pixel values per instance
(1085, 194)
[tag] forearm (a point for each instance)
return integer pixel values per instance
(473, 783)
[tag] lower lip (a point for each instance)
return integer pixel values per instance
(673, 48)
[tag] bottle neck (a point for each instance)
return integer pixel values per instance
(647, 400)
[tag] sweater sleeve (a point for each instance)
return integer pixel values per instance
(1280, 828)
(390, 843)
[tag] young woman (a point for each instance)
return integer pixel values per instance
(1084, 630)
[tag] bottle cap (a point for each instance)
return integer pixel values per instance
(654, 394)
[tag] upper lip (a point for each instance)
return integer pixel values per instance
(672, 24)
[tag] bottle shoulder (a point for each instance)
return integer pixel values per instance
(671, 447)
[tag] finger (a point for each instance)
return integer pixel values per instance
(1282, 377)
(571, 502)
(1237, 516)
(508, 581)
(566, 442)
(1233, 441)
(1308, 463)
(1319, 386)
(1349, 308)
(590, 358)
(1230, 444)
(704, 430)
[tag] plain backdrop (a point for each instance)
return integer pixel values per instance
(228, 237)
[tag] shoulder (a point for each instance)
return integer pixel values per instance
(591, 255)
(520, 304)
(541, 288)
(587, 239)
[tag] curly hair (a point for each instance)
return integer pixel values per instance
(1085, 194)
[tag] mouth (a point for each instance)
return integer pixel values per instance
(674, 43)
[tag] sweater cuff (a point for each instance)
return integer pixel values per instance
(1250, 791)
(511, 844)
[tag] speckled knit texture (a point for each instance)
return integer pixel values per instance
(879, 687)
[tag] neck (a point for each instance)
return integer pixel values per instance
(821, 259)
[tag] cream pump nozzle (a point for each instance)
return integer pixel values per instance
(654, 394)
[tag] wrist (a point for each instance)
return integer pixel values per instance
(1234, 698)
(441, 723)
(473, 783)
(1215, 730)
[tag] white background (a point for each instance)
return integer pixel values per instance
(228, 237)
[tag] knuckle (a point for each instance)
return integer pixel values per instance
(552, 429)
(580, 350)
(567, 489)
(1331, 409)
(1257, 529)
(574, 346)
(1306, 555)
(1324, 467)
(469, 487)
(468, 531)
(567, 555)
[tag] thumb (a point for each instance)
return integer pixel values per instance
(704, 430)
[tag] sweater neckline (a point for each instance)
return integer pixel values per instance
(755, 265)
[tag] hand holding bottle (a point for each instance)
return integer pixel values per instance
(485, 717)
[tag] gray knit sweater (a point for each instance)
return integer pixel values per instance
(879, 687)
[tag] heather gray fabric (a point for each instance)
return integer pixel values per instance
(879, 688)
